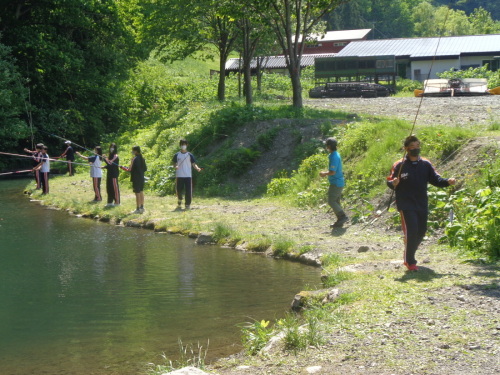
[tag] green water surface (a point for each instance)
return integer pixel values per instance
(81, 297)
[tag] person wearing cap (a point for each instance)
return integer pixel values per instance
(409, 178)
(337, 183)
(44, 168)
(69, 154)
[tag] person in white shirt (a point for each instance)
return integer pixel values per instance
(95, 171)
(183, 162)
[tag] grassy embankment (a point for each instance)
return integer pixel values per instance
(375, 304)
(284, 218)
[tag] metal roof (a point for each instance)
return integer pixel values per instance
(425, 47)
(340, 35)
(276, 62)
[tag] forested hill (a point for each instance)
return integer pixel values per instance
(414, 18)
(74, 68)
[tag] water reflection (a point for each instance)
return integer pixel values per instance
(82, 297)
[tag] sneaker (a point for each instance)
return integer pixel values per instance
(188, 207)
(141, 210)
(109, 205)
(137, 211)
(341, 221)
(411, 267)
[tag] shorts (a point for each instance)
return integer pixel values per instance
(138, 185)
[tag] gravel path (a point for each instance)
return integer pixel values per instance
(458, 111)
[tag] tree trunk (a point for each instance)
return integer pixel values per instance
(294, 71)
(221, 89)
(247, 83)
(259, 74)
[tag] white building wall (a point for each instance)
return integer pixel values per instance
(474, 60)
(440, 66)
(437, 67)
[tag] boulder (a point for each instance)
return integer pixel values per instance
(310, 259)
(205, 239)
(302, 299)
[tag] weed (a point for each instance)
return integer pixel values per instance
(255, 336)
(259, 245)
(188, 356)
(336, 278)
(282, 246)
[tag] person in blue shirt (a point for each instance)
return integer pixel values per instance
(337, 183)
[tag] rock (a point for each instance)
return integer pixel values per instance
(444, 346)
(301, 300)
(133, 224)
(204, 239)
(310, 259)
(313, 369)
(461, 298)
(474, 347)
(363, 249)
(187, 371)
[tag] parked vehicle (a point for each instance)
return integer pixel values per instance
(349, 90)
(456, 87)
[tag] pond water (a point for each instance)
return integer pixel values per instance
(81, 297)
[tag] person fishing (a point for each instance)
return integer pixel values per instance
(337, 183)
(37, 153)
(409, 178)
(183, 162)
(137, 169)
(69, 154)
(112, 162)
(95, 171)
(44, 169)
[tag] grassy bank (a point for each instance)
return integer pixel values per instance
(384, 319)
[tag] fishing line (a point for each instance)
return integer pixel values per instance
(421, 101)
(25, 171)
(42, 158)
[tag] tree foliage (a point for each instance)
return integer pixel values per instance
(72, 55)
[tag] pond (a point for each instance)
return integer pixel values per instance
(82, 297)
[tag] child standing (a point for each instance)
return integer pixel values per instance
(44, 168)
(95, 171)
(112, 163)
(137, 169)
(69, 153)
(183, 162)
(37, 153)
(336, 179)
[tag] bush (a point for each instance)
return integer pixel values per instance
(481, 72)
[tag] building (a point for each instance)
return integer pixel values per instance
(317, 46)
(333, 41)
(413, 58)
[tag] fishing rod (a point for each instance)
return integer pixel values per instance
(199, 143)
(76, 144)
(41, 158)
(25, 171)
(420, 103)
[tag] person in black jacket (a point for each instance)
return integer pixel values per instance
(409, 178)
(69, 153)
(112, 163)
(137, 169)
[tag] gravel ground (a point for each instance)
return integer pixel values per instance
(459, 111)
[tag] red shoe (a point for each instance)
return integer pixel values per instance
(411, 267)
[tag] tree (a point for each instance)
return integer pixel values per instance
(178, 29)
(73, 55)
(293, 22)
(14, 115)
